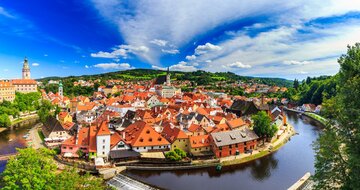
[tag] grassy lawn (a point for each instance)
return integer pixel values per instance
(41, 135)
(317, 117)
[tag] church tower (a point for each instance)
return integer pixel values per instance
(61, 92)
(168, 83)
(26, 70)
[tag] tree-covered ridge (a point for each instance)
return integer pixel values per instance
(199, 77)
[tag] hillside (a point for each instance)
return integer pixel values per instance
(199, 77)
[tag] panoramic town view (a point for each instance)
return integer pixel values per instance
(111, 94)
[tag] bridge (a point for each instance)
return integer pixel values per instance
(7, 156)
(126, 183)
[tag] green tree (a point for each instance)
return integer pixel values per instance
(296, 84)
(36, 169)
(262, 125)
(44, 111)
(4, 120)
(338, 148)
(30, 169)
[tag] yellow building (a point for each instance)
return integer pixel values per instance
(65, 117)
(176, 137)
(7, 91)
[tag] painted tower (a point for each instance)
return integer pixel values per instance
(61, 92)
(26, 70)
(168, 83)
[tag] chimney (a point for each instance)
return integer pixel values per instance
(57, 116)
(123, 135)
(108, 117)
(202, 140)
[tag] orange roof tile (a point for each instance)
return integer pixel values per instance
(103, 130)
(199, 141)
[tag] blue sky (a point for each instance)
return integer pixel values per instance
(287, 39)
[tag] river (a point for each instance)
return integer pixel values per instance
(17, 141)
(275, 171)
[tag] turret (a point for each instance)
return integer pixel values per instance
(26, 70)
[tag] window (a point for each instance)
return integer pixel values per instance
(103, 153)
(121, 146)
(195, 149)
(144, 147)
(137, 148)
(220, 148)
(103, 140)
(230, 146)
(103, 147)
(71, 148)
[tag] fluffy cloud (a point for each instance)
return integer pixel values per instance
(208, 47)
(121, 51)
(286, 35)
(35, 64)
(87, 66)
(237, 64)
(293, 62)
(158, 42)
(190, 57)
(107, 66)
(170, 51)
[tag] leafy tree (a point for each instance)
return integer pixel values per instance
(4, 120)
(262, 125)
(296, 84)
(36, 169)
(30, 169)
(338, 148)
(57, 110)
(172, 155)
(44, 111)
(180, 152)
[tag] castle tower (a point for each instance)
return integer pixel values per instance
(26, 70)
(168, 83)
(61, 92)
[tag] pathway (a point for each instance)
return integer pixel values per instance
(125, 183)
(34, 137)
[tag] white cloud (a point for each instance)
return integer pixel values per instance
(120, 66)
(45, 55)
(208, 61)
(87, 66)
(170, 51)
(303, 72)
(208, 47)
(181, 66)
(35, 64)
(5, 70)
(121, 51)
(190, 57)
(294, 62)
(158, 42)
(237, 64)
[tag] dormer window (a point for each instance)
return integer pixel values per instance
(147, 131)
(141, 140)
(150, 139)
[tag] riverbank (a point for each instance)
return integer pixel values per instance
(228, 161)
(261, 152)
(2, 129)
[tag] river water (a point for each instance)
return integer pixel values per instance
(8, 146)
(275, 171)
